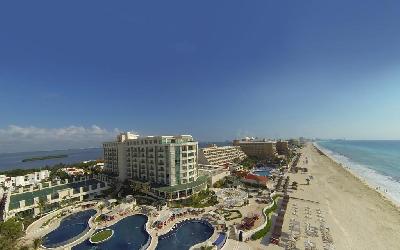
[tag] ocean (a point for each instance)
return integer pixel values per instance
(10, 161)
(377, 162)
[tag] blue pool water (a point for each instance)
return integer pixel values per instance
(129, 234)
(262, 171)
(70, 227)
(186, 235)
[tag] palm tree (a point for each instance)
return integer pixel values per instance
(37, 243)
(42, 204)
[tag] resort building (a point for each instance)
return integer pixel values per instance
(260, 149)
(73, 171)
(256, 180)
(30, 200)
(214, 155)
(164, 165)
(24, 180)
(282, 147)
(214, 172)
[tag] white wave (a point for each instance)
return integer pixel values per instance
(386, 184)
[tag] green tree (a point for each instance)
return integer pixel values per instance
(10, 231)
(42, 204)
(37, 243)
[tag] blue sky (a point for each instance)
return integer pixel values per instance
(214, 69)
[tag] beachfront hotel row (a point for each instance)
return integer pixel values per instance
(166, 167)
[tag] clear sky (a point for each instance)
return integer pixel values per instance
(84, 70)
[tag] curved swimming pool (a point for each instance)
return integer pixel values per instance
(129, 233)
(186, 234)
(70, 227)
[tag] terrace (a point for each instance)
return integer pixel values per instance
(29, 196)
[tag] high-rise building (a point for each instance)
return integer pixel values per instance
(157, 160)
(282, 147)
(214, 155)
(261, 149)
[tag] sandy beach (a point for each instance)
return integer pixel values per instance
(358, 217)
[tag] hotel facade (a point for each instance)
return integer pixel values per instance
(214, 155)
(167, 164)
(260, 149)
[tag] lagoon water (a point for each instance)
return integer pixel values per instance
(14, 160)
(377, 162)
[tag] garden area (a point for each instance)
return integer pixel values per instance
(204, 198)
(229, 214)
(249, 162)
(10, 231)
(268, 213)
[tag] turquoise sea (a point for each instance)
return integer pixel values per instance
(377, 162)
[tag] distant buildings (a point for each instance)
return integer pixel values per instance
(73, 171)
(214, 155)
(166, 164)
(24, 180)
(259, 149)
(262, 149)
(282, 147)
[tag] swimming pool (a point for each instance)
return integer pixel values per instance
(262, 171)
(187, 234)
(129, 234)
(70, 227)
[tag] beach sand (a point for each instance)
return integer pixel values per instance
(358, 216)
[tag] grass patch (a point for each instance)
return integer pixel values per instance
(232, 214)
(101, 236)
(229, 214)
(268, 212)
(204, 198)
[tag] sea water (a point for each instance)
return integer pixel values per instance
(10, 161)
(377, 162)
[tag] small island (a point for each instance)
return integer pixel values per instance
(101, 236)
(41, 158)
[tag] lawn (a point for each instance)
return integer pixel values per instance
(229, 214)
(203, 199)
(101, 236)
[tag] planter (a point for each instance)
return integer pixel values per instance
(101, 236)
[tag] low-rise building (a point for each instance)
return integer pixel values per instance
(256, 180)
(214, 155)
(215, 173)
(73, 171)
(28, 201)
(24, 180)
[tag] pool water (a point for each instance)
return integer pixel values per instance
(70, 227)
(187, 234)
(262, 172)
(129, 234)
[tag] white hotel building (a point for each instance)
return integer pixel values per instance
(167, 163)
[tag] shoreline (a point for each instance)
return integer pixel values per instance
(384, 196)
